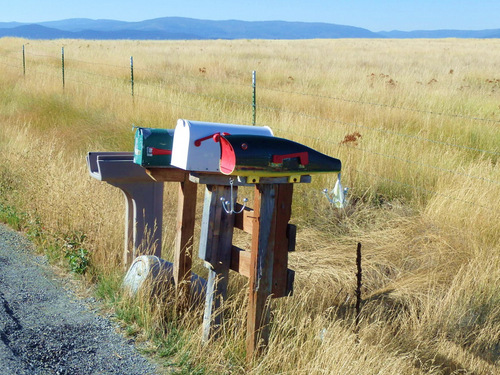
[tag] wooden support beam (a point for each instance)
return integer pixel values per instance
(244, 220)
(240, 261)
(283, 212)
(262, 257)
(215, 248)
(272, 238)
(170, 174)
(183, 255)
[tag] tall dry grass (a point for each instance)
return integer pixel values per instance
(423, 177)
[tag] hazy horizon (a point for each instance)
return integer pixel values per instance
(385, 15)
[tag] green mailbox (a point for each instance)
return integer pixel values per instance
(153, 147)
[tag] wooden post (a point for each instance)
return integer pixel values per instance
(186, 212)
(261, 268)
(215, 248)
(269, 258)
(283, 213)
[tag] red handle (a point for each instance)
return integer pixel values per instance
(303, 157)
(214, 136)
(153, 151)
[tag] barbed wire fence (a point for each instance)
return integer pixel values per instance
(116, 83)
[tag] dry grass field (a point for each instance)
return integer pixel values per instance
(416, 124)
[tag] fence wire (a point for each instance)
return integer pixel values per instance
(382, 105)
(104, 81)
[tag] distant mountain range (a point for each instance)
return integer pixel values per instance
(175, 28)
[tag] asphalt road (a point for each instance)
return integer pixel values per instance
(45, 329)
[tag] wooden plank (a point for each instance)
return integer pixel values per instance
(212, 301)
(291, 234)
(240, 261)
(244, 220)
(263, 238)
(217, 237)
(281, 244)
(171, 174)
(210, 223)
(214, 178)
(183, 254)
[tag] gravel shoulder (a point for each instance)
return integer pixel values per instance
(45, 329)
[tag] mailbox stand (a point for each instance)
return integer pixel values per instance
(143, 191)
(143, 199)
(265, 265)
(243, 157)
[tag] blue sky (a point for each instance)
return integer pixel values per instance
(374, 15)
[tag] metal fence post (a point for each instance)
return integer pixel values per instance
(132, 73)
(254, 106)
(62, 60)
(24, 62)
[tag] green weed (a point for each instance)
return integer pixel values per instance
(11, 216)
(76, 254)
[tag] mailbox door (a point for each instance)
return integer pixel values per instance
(196, 148)
(153, 147)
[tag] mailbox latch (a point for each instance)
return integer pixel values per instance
(303, 157)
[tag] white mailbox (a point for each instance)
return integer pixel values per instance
(196, 147)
